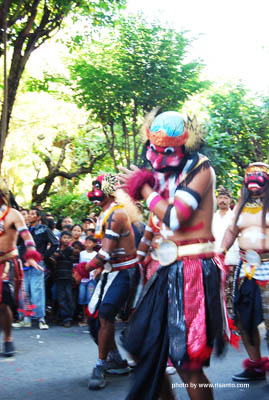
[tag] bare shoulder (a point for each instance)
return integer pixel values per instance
(15, 216)
(204, 179)
(120, 215)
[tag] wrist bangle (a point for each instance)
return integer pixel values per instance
(141, 253)
(146, 241)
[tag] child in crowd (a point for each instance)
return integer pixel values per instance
(76, 233)
(63, 279)
(87, 285)
(77, 248)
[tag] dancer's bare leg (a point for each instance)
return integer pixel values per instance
(253, 350)
(166, 392)
(194, 381)
(6, 319)
(106, 339)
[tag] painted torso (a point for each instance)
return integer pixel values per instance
(199, 225)
(118, 221)
(8, 239)
(251, 234)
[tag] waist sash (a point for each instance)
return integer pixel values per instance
(121, 263)
(7, 256)
(168, 251)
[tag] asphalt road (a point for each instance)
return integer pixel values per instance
(56, 364)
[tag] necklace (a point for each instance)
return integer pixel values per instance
(253, 206)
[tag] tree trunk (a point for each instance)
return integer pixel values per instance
(18, 62)
(3, 125)
(53, 173)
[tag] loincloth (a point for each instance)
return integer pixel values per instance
(11, 272)
(180, 315)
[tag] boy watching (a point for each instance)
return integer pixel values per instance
(87, 285)
(63, 279)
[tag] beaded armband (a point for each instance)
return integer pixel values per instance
(135, 183)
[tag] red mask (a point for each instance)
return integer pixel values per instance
(164, 158)
(255, 180)
(96, 195)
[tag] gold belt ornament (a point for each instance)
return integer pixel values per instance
(252, 259)
(10, 254)
(168, 252)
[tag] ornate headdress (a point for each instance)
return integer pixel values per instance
(109, 183)
(257, 167)
(170, 129)
(222, 191)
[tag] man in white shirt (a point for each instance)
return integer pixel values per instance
(221, 220)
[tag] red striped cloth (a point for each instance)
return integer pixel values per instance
(194, 310)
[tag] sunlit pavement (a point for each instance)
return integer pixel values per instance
(56, 364)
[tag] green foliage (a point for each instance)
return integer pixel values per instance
(43, 17)
(238, 133)
(140, 66)
(26, 24)
(120, 77)
(68, 159)
(99, 12)
(33, 84)
(68, 203)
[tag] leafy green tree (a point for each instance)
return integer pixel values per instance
(120, 77)
(69, 158)
(69, 203)
(25, 25)
(238, 132)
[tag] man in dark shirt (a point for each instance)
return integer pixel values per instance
(46, 244)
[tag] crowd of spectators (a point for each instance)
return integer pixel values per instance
(56, 296)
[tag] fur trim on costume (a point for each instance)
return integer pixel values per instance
(129, 206)
(262, 364)
(29, 311)
(197, 363)
(149, 118)
(196, 134)
(80, 271)
(266, 364)
(109, 184)
(134, 185)
(34, 254)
